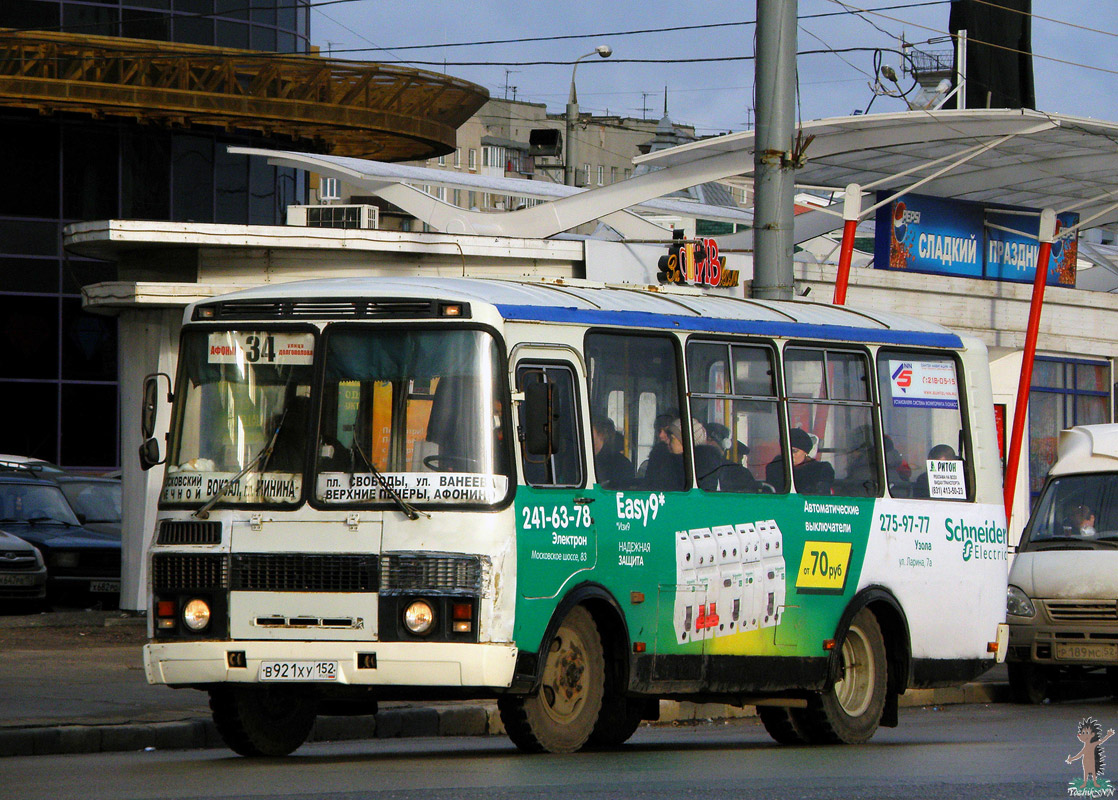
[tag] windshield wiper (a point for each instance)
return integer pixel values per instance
(261, 455)
(45, 518)
(410, 511)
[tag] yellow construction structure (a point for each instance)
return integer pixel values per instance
(383, 112)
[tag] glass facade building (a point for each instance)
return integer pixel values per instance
(58, 381)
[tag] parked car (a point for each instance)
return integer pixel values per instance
(80, 562)
(1062, 605)
(35, 464)
(96, 501)
(23, 574)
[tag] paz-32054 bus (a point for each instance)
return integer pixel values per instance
(575, 499)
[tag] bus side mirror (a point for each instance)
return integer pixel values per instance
(149, 454)
(540, 430)
(150, 407)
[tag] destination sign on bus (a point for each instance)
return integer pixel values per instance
(261, 347)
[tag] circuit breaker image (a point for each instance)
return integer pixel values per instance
(773, 569)
(730, 608)
(752, 590)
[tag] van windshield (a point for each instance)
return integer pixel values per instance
(1075, 512)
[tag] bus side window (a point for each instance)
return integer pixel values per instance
(734, 397)
(634, 386)
(922, 419)
(563, 467)
(829, 399)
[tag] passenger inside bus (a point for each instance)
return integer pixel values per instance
(665, 470)
(613, 469)
(941, 452)
(811, 476)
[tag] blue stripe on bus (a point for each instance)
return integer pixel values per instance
(788, 330)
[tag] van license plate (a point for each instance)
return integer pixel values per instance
(1087, 652)
(105, 587)
(298, 671)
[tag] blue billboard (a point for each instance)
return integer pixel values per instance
(948, 237)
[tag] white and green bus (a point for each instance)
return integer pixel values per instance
(575, 499)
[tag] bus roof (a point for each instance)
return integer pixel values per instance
(588, 303)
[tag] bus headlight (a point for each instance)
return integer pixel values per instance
(1018, 604)
(196, 614)
(419, 617)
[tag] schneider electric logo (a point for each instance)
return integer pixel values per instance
(983, 542)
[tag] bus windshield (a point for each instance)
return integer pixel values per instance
(242, 417)
(412, 413)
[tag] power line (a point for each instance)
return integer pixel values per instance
(638, 32)
(1047, 19)
(972, 40)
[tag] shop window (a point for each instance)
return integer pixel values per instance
(1064, 392)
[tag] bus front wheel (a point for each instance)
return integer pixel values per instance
(262, 720)
(850, 711)
(560, 717)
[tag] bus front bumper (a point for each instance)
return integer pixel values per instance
(357, 663)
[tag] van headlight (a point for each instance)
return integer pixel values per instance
(1018, 604)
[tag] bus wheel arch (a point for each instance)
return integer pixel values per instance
(867, 670)
(617, 717)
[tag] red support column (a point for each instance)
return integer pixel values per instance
(851, 210)
(1047, 234)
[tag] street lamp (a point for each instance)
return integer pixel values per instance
(605, 51)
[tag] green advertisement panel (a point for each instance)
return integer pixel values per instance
(695, 572)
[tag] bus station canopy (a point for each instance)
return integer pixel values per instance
(1016, 157)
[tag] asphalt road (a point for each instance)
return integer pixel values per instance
(951, 752)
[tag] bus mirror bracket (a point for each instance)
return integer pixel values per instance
(540, 430)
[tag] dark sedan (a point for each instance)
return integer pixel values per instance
(80, 562)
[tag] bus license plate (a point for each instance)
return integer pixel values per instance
(1087, 652)
(106, 587)
(298, 671)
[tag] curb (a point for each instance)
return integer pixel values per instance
(390, 723)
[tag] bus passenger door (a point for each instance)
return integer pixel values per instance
(556, 535)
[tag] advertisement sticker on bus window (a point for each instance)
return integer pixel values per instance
(261, 347)
(923, 384)
(454, 488)
(946, 480)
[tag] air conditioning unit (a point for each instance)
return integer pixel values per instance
(357, 217)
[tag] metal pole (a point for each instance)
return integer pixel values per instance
(569, 146)
(1046, 237)
(773, 174)
(570, 165)
(961, 69)
(851, 210)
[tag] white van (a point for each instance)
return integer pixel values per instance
(1063, 587)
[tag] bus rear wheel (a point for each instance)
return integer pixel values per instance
(850, 711)
(784, 725)
(560, 717)
(262, 720)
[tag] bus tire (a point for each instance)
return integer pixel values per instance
(262, 720)
(850, 711)
(617, 722)
(560, 717)
(784, 725)
(1028, 682)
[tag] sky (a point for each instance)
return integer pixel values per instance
(1075, 68)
